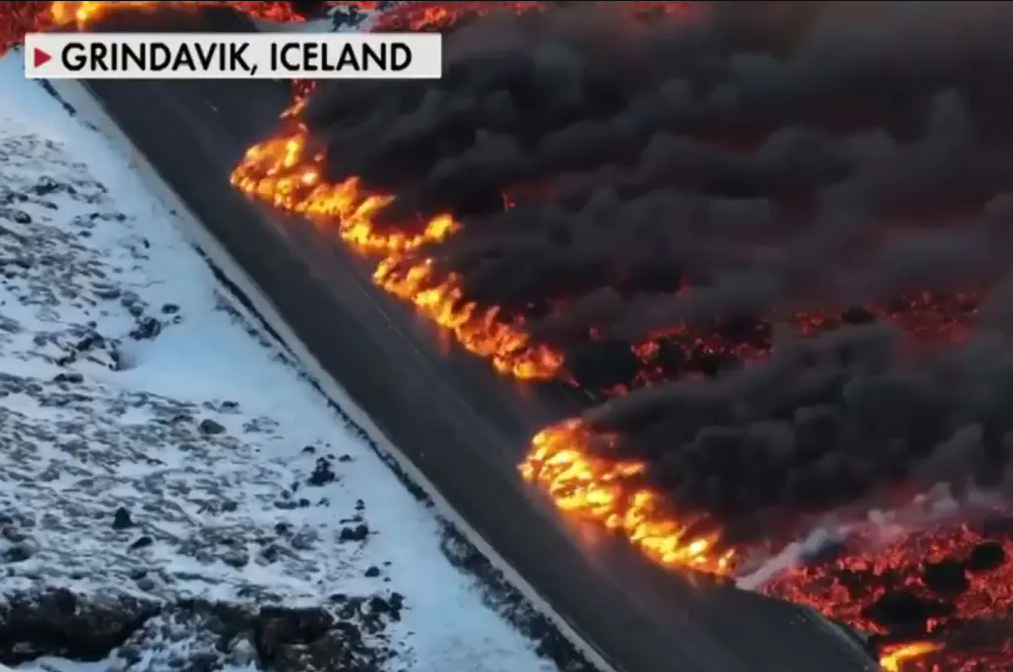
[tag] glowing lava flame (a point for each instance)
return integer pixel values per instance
(606, 491)
(895, 658)
(282, 172)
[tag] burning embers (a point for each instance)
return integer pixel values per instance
(946, 591)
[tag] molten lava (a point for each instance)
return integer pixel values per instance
(896, 658)
(281, 172)
(948, 590)
(917, 593)
(608, 492)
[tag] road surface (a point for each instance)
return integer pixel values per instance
(464, 427)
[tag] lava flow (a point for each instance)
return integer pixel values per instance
(771, 240)
(791, 296)
(948, 589)
(794, 295)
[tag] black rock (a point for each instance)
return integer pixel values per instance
(146, 329)
(47, 185)
(903, 610)
(947, 577)
(237, 559)
(357, 533)
(322, 473)
(986, 556)
(90, 342)
(122, 519)
(142, 542)
(378, 605)
(17, 553)
(58, 622)
(271, 552)
(858, 315)
(209, 426)
(18, 216)
(372, 572)
(68, 378)
(12, 533)
(308, 8)
(83, 627)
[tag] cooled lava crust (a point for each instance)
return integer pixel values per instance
(771, 240)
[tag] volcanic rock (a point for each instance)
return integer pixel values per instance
(322, 473)
(903, 611)
(947, 577)
(985, 557)
(209, 426)
(122, 519)
(60, 622)
(358, 533)
(858, 315)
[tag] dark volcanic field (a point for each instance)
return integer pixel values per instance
(833, 177)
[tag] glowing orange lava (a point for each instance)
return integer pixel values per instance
(895, 658)
(607, 491)
(282, 172)
(976, 593)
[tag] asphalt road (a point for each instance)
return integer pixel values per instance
(463, 427)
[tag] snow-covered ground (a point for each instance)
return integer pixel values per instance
(165, 473)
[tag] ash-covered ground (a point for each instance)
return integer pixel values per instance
(173, 495)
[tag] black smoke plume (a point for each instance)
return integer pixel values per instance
(823, 190)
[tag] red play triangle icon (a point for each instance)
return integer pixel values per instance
(39, 57)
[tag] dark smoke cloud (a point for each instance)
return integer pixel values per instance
(723, 173)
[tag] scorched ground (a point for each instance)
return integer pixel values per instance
(770, 241)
